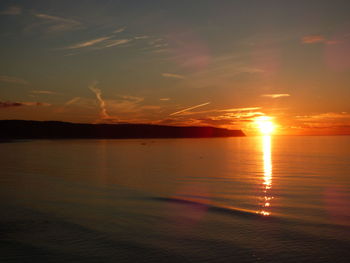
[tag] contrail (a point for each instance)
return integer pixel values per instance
(190, 108)
(103, 112)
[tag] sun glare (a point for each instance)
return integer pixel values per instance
(265, 125)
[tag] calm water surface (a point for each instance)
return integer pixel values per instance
(253, 199)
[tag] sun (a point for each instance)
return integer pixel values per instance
(265, 125)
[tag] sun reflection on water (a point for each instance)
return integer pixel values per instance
(267, 179)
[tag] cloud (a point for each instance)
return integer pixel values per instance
(131, 108)
(88, 43)
(240, 109)
(72, 101)
(102, 104)
(12, 11)
(164, 99)
(116, 42)
(68, 103)
(325, 116)
(59, 23)
(312, 39)
(228, 120)
(171, 75)
(158, 45)
(141, 37)
(323, 123)
(107, 41)
(188, 109)
(237, 111)
(275, 96)
(126, 104)
(100, 43)
(15, 80)
(119, 30)
(48, 92)
(11, 104)
(249, 70)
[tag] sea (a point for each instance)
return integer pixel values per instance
(241, 199)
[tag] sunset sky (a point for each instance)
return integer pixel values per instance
(199, 62)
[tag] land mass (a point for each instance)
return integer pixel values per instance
(21, 129)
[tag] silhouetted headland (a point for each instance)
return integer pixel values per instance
(20, 129)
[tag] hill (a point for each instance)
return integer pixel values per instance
(20, 129)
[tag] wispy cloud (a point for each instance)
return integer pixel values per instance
(101, 43)
(12, 11)
(158, 45)
(68, 103)
(141, 37)
(325, 116)
(130, 107)
(188, 109)
(164, 99)
(11, 104)
(324, 123)
(275, 96)
(15, 80)
(102, 104)
(47, 92)
(72, 101)
(312, 39)
(236, 111)
(250, 70)
(119, 30)
(239, 109)
(116, 42)
(237, 119)
(59, 23)
(88, 43)
(171, 75)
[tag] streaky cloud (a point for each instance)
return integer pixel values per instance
(142, 37)
(312, 39)
(88, 43)
(188, 109)
(15, 80)
(171, 75)
(229, 111)
(119, 30)
(12, 104)
(275, 96)
(12, 11)
(68, 103)
(117, 42)
(59, 23)
(48, 92)
(240, 109)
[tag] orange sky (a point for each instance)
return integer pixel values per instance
(178, 63)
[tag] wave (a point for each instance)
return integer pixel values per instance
(212, 207)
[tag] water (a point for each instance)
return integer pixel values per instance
(253, 199)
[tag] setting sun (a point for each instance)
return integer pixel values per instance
(265, 125)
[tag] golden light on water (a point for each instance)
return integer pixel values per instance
(267, 178)
(265, 125)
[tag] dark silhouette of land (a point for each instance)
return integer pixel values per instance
(20, 129)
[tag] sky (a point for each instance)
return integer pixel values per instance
(186, 62)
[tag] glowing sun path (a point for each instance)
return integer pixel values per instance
(266, 127)
(267, 179)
